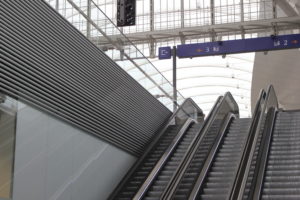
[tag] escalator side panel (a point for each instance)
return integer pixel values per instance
(253, 164)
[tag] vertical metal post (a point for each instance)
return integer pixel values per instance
(152, 15)
(212, 11)
(151, 39)
(57, 5)
(242, 10)
(274, 9)
(242, 18)
(174, 78)
(88, 24)
(182, 13)
(182, 38)
(274, 12)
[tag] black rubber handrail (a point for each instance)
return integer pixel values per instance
(264, 148)
(163, 160)
(198, 186)
(236, 186)
(263, 154)
(218, 107)
(169, 122)
(270, 101)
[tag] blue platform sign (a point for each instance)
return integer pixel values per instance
(239, 46)
(164, 53)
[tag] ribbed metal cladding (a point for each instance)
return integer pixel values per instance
(48, 63)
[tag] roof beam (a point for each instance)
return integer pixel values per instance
(286, 7)
(257, 26)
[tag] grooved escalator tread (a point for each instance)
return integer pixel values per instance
(221, 175)
(189, 178)
(165, 175)
(142, 172)
(282, 175)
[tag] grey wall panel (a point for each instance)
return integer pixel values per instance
(47, 62)
(281, 69)
(54, 160)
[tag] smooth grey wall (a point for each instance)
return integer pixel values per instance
(55, 161)
(279, 68)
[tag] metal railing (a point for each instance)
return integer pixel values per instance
(90, 18)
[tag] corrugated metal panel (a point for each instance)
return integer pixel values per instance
(46, 62)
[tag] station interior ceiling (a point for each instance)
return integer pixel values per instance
(173, 22)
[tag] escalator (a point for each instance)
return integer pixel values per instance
(155, 167)
(165, 174)
(224, 157)
(186, 184)
(273, 171)
(221, 175)
(187, 156)
(275, 166)
(145, 168)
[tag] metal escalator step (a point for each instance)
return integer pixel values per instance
(214, 191)
(197, 162)
(282, 179)
(281, 191)
(212, 197)
(217, 184)
(145, 168)
(282, 176)
(287, 173)
(281, 184)
(280, 197)
(225, 165)
(172, 164)
(283, 167)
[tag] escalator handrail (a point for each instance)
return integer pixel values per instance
(264, 149)
(209, 160)
(163, 160)
(179, 173)
(190, 100)
(169, 122)
(263, 154)
(270, 101)
(238, 182)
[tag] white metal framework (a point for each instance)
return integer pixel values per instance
(172, 22)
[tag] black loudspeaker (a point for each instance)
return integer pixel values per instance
(126, 12)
